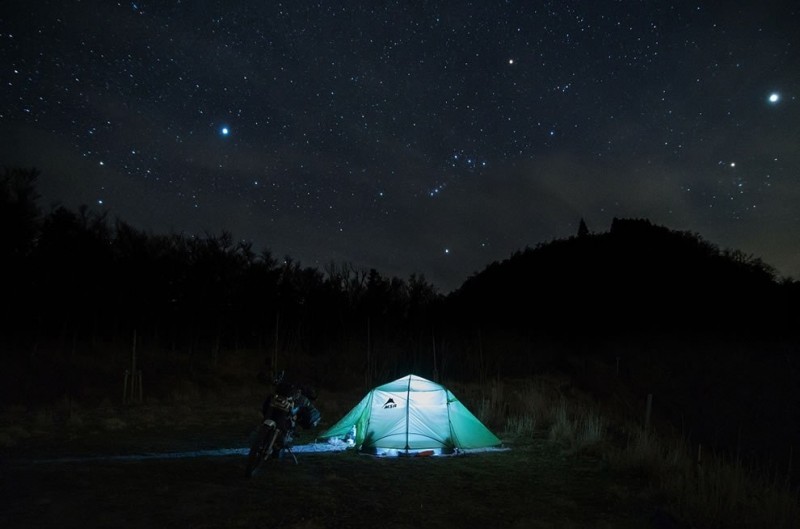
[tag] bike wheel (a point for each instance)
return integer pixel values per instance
(259, 449)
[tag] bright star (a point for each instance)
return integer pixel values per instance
(774, 97)
(225, 131)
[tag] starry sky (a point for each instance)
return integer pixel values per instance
(410, 136)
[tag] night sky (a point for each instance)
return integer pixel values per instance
(412, 137)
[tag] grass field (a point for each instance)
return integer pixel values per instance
(531, 485)
(569, 464)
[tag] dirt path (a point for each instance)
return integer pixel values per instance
(532, 485)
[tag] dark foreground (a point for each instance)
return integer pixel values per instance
(530, 486)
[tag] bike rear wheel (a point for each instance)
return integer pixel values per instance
(260, 448)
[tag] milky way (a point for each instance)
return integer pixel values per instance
(412, 137)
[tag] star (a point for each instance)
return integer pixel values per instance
(774, 98)
(225, 131)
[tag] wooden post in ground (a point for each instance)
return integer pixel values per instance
(132, 379)
(133, 353)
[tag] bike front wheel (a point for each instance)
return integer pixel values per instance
(260, 448)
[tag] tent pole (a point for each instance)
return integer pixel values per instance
(453, 438)
(408, 407)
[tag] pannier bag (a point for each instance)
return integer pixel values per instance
(308, 417)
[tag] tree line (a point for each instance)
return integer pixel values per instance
(78, 281)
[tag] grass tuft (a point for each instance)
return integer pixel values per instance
(520, 426)
(580, 431)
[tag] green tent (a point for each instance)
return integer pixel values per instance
(412, 415)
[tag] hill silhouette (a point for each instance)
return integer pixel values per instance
(636, 277)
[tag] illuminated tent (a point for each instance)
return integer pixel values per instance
(412, 415)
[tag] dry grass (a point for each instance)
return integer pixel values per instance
(710, 490)
(715, 492)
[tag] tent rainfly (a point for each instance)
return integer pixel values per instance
(411, 416)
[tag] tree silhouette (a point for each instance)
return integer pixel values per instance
(19, 213)
(583, 231)
(19, 228)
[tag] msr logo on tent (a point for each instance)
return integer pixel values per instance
(389, 404)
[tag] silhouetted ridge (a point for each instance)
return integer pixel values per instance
(637, 276)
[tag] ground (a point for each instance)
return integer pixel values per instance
(534, 484)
